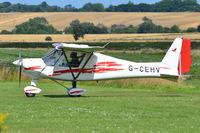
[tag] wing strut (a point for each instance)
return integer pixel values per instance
(84, 65)
(71, 70)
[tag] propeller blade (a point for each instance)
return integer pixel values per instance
(20, 69)
(20, 76)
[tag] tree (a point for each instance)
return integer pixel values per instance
(119, 28)
(80, 29)
(89, 7)
(161, 6)
(147, 26)
(191, 29)
(5, 32)
(69, 8)
(38, 25)
(76, 29)
(175, 29)
(101, 29)
(44, 4)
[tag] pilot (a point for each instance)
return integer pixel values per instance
(75, 61)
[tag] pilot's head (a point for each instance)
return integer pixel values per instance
(73, 54)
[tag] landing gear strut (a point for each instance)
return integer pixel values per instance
(73, 92)
(73, 84)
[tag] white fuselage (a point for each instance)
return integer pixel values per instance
(99, 67)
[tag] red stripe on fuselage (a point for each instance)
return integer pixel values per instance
(33, 68)
(100, 67)
(31, 90)
(108, 64)
(164, 67)
(54, 74)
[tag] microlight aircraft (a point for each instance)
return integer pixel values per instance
(75, 62)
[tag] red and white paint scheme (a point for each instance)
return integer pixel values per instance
(31, 91)
(75, 62)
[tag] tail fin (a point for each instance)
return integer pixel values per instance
(185, 57)
(178, 55)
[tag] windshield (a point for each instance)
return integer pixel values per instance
(52, 57)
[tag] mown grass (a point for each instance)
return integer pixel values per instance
(102, 109)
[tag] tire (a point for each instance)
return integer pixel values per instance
(30, 94)
(73, 96)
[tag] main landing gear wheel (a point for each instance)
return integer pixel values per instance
(75, 92)
(30, 94)
(74, 95)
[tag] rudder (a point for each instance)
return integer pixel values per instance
(185, 57)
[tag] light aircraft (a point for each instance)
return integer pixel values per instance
(75, 62)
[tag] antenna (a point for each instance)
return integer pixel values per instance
(106, 44)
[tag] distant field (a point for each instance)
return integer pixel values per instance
(162, 37)
(61, 19)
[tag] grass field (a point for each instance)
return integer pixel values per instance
(62, 19)
(131, 105)
(103, 109)
(157, 37)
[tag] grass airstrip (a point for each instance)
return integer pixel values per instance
(131, 105)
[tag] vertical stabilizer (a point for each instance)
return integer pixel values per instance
(173, 54)
(178, 56)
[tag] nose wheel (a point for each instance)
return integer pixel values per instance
(30, 94)
(31, 91)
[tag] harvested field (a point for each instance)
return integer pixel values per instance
(162, 37)
(62, 19)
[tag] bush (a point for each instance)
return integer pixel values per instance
(191, 29)
(5, 32)
(2, 125)
(48, 38)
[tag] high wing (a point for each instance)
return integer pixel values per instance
(78, 47)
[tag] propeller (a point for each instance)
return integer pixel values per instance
(20, 69)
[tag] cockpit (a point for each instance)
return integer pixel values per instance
(56, 57)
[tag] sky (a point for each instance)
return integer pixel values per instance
(80, 3)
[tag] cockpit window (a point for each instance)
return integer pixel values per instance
(56, 57)
(74, 59)
(52, 57)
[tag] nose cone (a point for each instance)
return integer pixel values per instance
(18, 62)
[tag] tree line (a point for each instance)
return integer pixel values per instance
(161, 6)
(40, 25)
